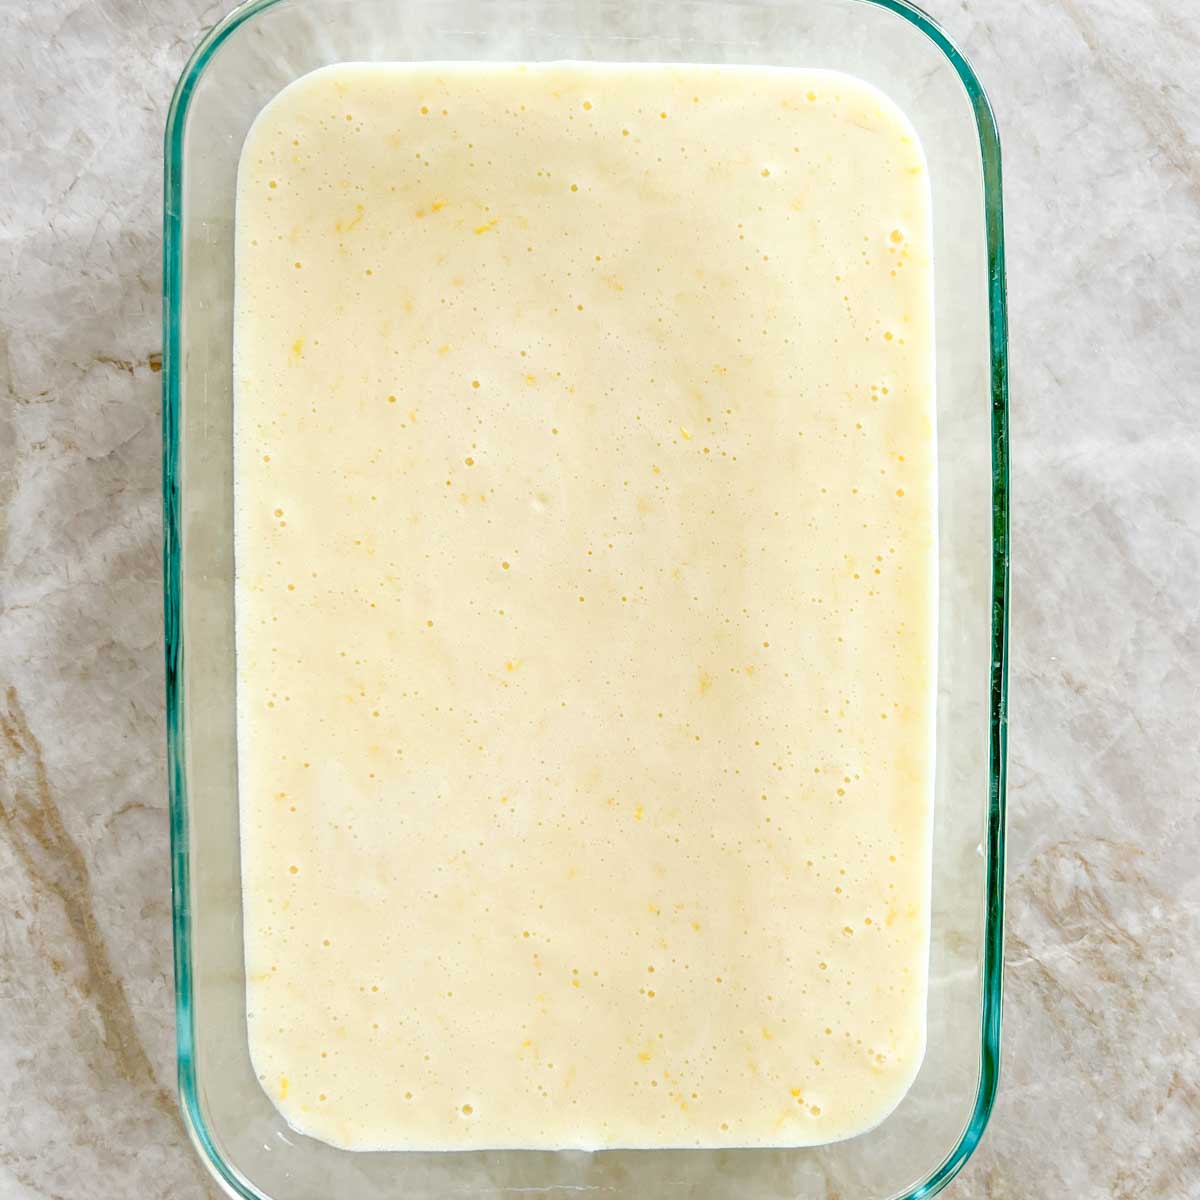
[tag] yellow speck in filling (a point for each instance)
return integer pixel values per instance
(487, 226)
(574, 187)
(505, 565)
(391, 399)
(283, 1087)
(424, 110)
(687, 437)
(469, 461)
(467, 1110)
(897, 236)
(293, 870)
(587, 104)
(474, 383)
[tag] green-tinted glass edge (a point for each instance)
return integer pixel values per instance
(993, 950)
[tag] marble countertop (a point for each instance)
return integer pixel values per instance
(1099, 109)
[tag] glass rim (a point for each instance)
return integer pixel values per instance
(994, 843)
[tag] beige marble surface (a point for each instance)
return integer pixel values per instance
(1099, 108)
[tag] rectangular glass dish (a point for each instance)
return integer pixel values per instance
(246, 60)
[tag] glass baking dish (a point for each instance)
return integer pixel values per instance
(244, 61)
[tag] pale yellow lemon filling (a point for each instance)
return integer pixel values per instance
(585, 517)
